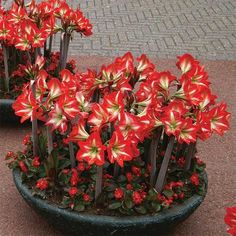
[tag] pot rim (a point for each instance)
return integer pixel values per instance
(163, 216)
(6, 101)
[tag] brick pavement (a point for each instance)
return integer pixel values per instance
(159, 28)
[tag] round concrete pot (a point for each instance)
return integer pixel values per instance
(74, 223)
(7, 113)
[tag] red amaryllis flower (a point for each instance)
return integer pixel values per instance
(130, 126)
(194, 179)
(55, 90)
(187, 132)
(41, 85)
(99, 116)
(172, 122)
(186, 62)
(25, 106)
(119, 149)
(219, 119)
(118, 193)
(69, 106)
(42, 184)
(6, 30)
(78, 132)
(17, 14)
(57, 119)
(161, 81)
(92, 150)
(144, 64)
(127, 62)
(114, 103)
(230, 220)
(84, 105)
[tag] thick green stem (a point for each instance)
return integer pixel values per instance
(49, 139)
(98, 186)
(153, 155)
(116, 170)
(6, 79)
(45, 48)
(64, 46)
(50, 45)
(72, 154)
(164, 166)
(34, 127)
(165, 141)
(191, 149)
(71, 145)
(29, 57)
(61, 49)
(34, 121)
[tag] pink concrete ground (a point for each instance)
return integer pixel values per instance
(16, 218)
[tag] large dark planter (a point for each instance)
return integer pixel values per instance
(7, 113)
(87, 224)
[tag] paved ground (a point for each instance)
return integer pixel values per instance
(16, 218)
(160, 28)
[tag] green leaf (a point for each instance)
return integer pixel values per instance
(80, 207)
(121, 178)
(63, 163)
(141, 210)
(152, 193)
(110, 188)
(168, 193)
(128, 203)
(156, 206)
(115, 205)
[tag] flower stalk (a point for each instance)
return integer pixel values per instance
(35, 126)
(98, 186)
(191, 149)
(49, 139)
(164, 166)
(5, 58)
(64, 47)
(153, 155)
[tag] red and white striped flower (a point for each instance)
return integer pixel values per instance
(26, 106)
(230, 220)
(55, 89)
(119, 149)
(78, 132)
(92, 150)
(172, 121)
(187, 132)
(186, 63)
(99, 116)
(57, 119)
(113, 104)
(219, 119)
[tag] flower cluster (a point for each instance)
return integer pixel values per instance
(126, 118)
(27, 30)
(230, 220)
(132, 103)
(29, 27)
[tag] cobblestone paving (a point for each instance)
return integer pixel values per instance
(160, 28)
